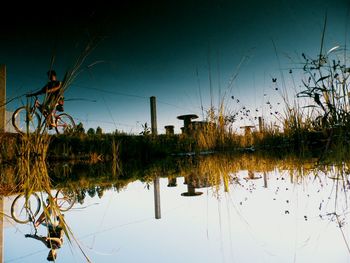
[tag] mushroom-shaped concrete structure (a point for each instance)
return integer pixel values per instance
(187, 120)
(191, 186)
(251, 176)
(191, 191)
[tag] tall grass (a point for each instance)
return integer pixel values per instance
(327, 85)
(326, 90)
(7, 147)
(31, 174)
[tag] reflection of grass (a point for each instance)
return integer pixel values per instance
(32, 176)
(215, 173)
(215, 170)
(34, 146)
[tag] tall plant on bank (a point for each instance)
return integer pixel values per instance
(326, 83)
(70, 75)
(37, 143)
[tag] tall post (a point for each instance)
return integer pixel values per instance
(153, 115)
(261, 124)
(156, 197)
(1, 229)
(2, 98)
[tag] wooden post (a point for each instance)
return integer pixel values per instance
(153, 115)
(156, 198)
(2, 98)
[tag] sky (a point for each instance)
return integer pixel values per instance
(187, 54)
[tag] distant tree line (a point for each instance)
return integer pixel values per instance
(91, 131)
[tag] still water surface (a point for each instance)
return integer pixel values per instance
(285, 213)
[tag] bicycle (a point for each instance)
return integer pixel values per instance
(25, 209)
(28, 119)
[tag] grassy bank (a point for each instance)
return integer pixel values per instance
(108, 147)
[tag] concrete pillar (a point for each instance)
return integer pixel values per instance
(153, 115)
(2, 98)
(169, 129)
(157, 197)
(261, 124)
(187, 123)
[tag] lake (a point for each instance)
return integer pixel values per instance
(214, 208)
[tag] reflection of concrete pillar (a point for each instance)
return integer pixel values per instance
(1, 229)
(2, 98)
(252, 176)
(153, 115)
(172, 182)
(156, 198)
(265, 180)
(191, 189)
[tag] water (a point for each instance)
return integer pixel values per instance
(286, 212)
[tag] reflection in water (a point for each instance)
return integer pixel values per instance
(156, 197)
(25, 209)
(252, 176)
(54, 238)
(265, 179)
(192, 182)
(34, 194)
(1, 229)
(172, 182)
(291, 193)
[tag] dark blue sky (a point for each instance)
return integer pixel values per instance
(155, 48)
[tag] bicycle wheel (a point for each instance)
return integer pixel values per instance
(25, 209)
(64, 123)
(65, 200)
(24, 121)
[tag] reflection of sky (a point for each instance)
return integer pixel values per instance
(249, 224)
(155, 49)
